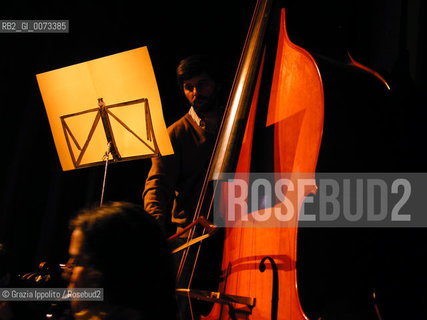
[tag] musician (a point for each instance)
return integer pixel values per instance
(174, 182)
(120, 248)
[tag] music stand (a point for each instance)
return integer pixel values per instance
(127, 123)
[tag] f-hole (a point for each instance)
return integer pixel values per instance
(275, 292)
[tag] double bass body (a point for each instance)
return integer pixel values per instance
(277, 95)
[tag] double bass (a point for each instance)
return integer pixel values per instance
(273, 123)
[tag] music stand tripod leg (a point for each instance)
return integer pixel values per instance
(105, 158)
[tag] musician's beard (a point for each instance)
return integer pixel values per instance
(203, 105)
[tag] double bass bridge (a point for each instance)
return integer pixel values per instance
(218, 297)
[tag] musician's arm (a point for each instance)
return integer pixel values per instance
(159, 192)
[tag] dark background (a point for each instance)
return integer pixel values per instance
(367, 128)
